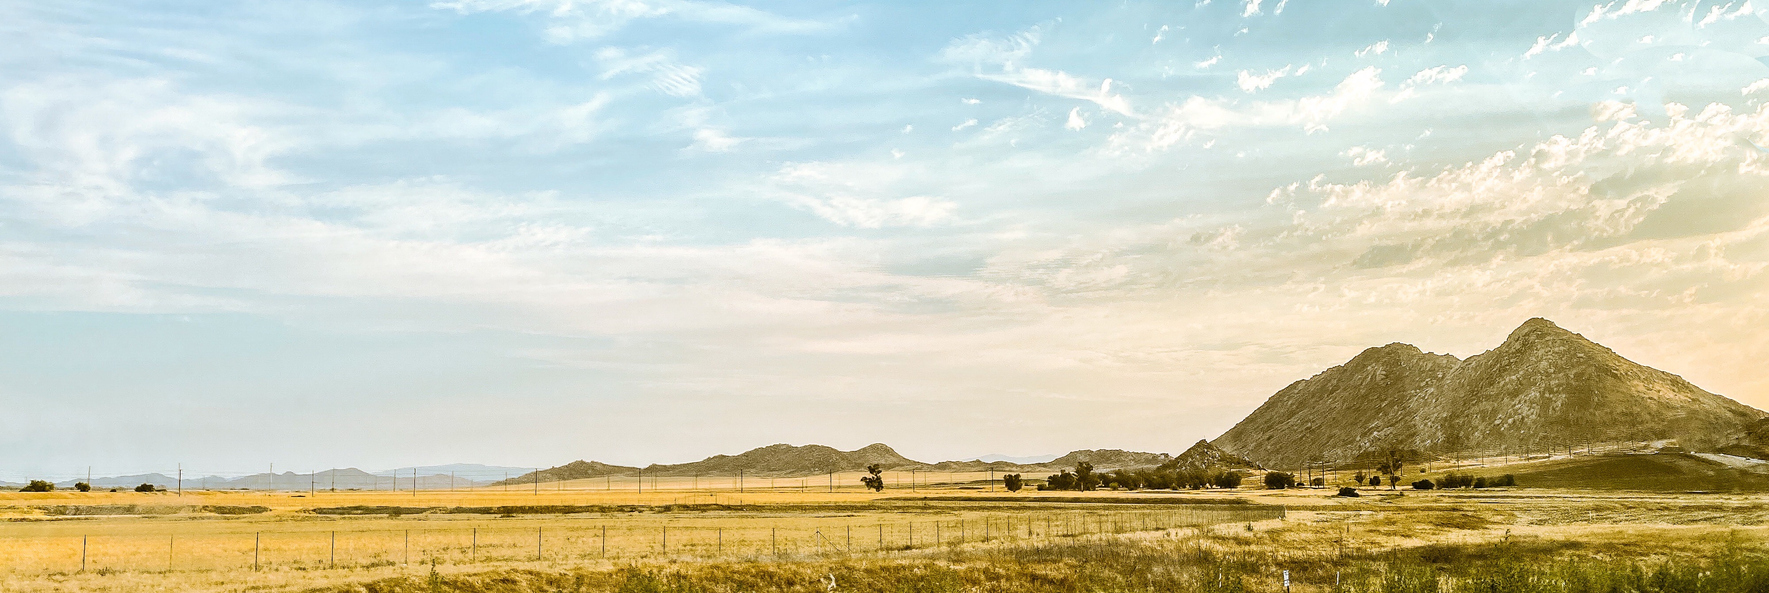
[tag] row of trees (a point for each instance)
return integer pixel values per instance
(1084, 478)
(47, 486)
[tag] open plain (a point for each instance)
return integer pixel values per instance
(951, 533)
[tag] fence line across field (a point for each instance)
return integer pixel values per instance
(324, 547)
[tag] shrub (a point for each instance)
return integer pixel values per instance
(1423, 485)
(1455, 480)
(145, 487)
(1279, 480)
(82, 486)
(1062, 481)
(1393, 481)
(1375, 480)
(1480, 482)
(1013, 482)
(1348, 492)
(1318, 482)
(38, 486)
(1226, 480)
(875, 481)
(1504, 481)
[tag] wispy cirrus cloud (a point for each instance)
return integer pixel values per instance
(569, 21)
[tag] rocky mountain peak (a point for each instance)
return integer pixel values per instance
(1544, 386)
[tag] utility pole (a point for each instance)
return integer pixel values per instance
(270, 480)
(740, 481)
(180, 478)
(641, 480)
(991, 479)
(537, 481)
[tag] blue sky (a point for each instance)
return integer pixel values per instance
(528, 231)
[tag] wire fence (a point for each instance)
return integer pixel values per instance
(254, 547)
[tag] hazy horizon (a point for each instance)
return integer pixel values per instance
(524, 232)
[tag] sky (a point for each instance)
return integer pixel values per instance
(376, 233)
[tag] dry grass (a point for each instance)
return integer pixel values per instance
(711, 534)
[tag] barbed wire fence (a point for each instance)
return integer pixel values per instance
(247, 547)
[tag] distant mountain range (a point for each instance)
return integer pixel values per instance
(342, 479)
(792, 461)
(1544, 387)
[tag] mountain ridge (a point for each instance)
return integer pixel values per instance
(1543, 386)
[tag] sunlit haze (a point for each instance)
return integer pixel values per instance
(523, 232)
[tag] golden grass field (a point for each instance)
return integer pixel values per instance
(166, 542)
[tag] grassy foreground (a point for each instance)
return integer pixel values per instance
(1145, 566)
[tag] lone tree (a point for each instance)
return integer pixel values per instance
(1084, 476)
(1391, 466)
(38, 486)
(876, 480)
(82, 486)
(1279, 480)
(1013, 482)
(145, 487)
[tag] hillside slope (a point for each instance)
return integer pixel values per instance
(1544, 386)
(788, 460)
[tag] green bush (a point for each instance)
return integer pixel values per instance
(875, 480)
(145, 487)
(82, 486)
(1013, 482)
(1504, 481)
(1227, 480)
(1279, 480)
(38, 486)
(1423, 485)
(1348, 492)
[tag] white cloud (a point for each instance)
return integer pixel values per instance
(108, 135)
(1438, 75)
(1075, 122)
(667, 76)
(984, 53)
(1374, 49)
(991, 50)
(1061, 84)
(1176, 123)
(575, 20)
(1361, 156)
(856, 195)
(1207, 63)
(1756, 86)
(1250, 8)
(1612, 11)
(714, 140)
(1251, 83)
(969, 123)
